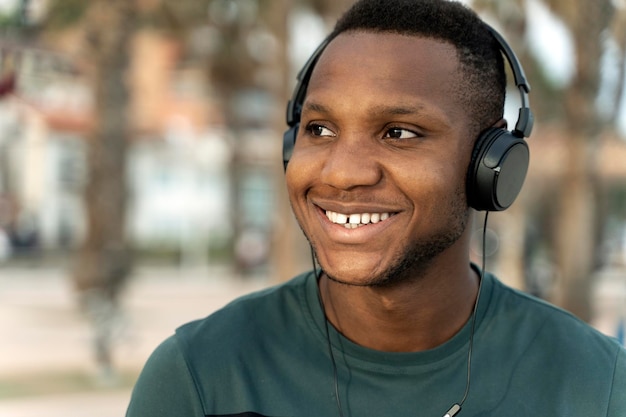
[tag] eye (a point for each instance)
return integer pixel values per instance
(319, 130)
(400, 133)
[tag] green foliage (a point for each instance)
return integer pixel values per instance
(10, 20)
(179, 16)
(65, 13)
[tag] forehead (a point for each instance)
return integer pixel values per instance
(388, 66)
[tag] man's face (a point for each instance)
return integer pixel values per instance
(377, 177)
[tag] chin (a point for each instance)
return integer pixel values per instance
(362, 280)
(382, 279)
(408, 265)
(348, 273)
(379, 273)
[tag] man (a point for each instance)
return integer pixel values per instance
(385, 125)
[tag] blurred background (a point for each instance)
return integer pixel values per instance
(141, 184)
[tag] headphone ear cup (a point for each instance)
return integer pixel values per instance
(289, 142)
(497, 170)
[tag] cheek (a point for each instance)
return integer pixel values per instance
(292, 182)
(431, 187)
(303, 168)
(298, 179)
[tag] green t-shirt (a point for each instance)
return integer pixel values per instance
(266, 354)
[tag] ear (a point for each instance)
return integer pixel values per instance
(501, 124)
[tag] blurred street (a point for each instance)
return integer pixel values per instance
(46, 349)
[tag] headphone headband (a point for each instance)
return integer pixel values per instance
(294, 106)
(525, 120)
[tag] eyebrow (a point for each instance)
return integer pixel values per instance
(315, 107)
(396, 110)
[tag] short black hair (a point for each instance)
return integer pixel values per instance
(483, 79)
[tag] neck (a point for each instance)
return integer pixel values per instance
(407, 317)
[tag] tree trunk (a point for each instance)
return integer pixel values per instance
(284, 247)
(104, 260)
(576, 234)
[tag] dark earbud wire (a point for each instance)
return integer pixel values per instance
(455, 407)
(318, 275)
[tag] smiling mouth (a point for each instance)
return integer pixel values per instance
(352, 221)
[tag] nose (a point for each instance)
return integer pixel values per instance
(352, 162)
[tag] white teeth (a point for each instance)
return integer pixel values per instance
(355, 220)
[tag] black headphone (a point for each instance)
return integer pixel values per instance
(500, 157)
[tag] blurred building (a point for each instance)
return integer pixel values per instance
(178, 163)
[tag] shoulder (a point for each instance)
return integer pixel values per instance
(165, 386)
(556, 362)
(617, 402)
(186, 370)
(247, 315)
(550, 327)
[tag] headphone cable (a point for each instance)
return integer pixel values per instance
(457, 406)
(318, 275)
